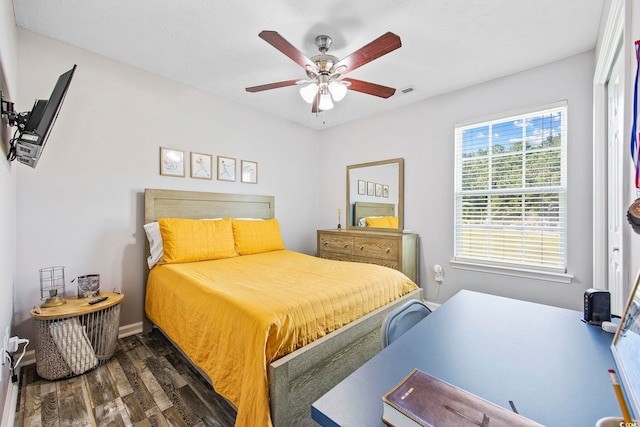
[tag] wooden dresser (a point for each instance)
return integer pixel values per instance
(395, 250)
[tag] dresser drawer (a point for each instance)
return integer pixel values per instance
(387, 249)
(335, 244)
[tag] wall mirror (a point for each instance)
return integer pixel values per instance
(626, 348)
(375, 196)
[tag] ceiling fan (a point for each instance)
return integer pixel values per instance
(325, 82)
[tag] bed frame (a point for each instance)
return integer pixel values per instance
(300, 378)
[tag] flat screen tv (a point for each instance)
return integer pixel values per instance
(33, 135)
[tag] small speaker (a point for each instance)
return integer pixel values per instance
(597, 306)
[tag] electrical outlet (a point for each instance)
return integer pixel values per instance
(438, 273)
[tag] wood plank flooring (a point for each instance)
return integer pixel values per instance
(146, 383)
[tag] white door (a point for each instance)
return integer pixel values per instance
(615, 215)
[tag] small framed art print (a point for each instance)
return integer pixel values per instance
(362, 187)
(171, 162)
(201, 165)
(371, 188)
(226, 168)
(249, 171)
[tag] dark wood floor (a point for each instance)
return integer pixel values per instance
(146, 383)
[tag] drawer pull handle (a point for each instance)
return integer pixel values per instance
(388, 250)
(346, 245)
(361, 248)
(325, 243)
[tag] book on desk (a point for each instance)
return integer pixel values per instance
(421, 400)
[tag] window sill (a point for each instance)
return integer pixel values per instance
(548, 276)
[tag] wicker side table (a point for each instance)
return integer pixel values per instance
(76, 337)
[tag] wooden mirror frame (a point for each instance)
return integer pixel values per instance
(352, 188)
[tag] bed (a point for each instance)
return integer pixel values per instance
(296, 371)
(375, 215)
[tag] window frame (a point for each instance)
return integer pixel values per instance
(520, 269)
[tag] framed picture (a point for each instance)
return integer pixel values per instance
(249, 172)
(362, 187)
(171, 162)
(201, 165)
(378, 190)
(371, 189)
(385, 190)
(226, 168)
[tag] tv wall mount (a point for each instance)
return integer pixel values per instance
(13, 119)
(18, 120)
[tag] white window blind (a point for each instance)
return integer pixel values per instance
(511, 191)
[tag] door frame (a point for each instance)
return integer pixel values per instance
(613, 39)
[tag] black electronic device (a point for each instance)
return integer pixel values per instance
(597, 306)
(97, 300)
(35, 126)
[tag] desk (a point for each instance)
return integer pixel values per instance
(545, 359)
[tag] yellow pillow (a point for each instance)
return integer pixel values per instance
(187, 240)
(253, 237)
(379, 222)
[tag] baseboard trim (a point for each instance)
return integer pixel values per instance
(432, 305)
(128, 330)
(10, 404)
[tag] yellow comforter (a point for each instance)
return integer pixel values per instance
(234, 316)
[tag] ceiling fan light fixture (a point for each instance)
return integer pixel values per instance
(325, 102)
(337, 90)
(325, 84)
(308, 93)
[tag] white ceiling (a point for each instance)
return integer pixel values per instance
(213, 45)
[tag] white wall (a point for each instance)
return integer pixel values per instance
(423, 133)
(82, 207)
(8, 66)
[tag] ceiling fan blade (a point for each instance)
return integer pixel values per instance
(384, 44)
(277, 41)
(370, 88)
(272, 85)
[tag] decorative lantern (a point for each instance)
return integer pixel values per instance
(52, 286)
(88, 286)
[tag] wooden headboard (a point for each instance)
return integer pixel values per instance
(198, 205)
(365, 209)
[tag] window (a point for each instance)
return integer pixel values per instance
(511, 191)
